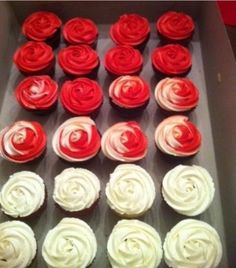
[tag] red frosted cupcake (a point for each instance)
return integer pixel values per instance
(172, 60)
(34, 58)
(124, 142)
(37, 93)
(22, 142)
(80, 31)
(131, 30)
(123, 60)
(77, 139)
(81, 96)
(175, 27)
(43, 26)
(176, 94)
(78, 60)
(177, 136)
(129, 94)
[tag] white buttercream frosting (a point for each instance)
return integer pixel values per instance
(76, 189)
(134, 243)
(130, 190)
(192, 244)
(23, 194)
(189, 190)
(17, 245)
(71, 244)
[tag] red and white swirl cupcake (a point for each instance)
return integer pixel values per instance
(129, 94)
(175, 27)
(123, 60)
(125, 142)
(34, 58)
(131, 30)
(42, 26)
(77, 139)
(78, 60)
(81, 96)
(37, 93)
(176, 94)
(172, 60)
(177, 136)
(22, 141)
(80, 31)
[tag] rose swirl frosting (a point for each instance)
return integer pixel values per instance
(22, 141)
(129, 91)
(124, 142)
(176, 94)
(177, 136)
(77, 139)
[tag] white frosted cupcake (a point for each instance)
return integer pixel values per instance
(192, 243)
(17, 245)
(134, 243)
(76, 190)
(189, 190)
(23, 194)
(130, 191)
(71, 243)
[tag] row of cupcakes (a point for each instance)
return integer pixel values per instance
(129, 29)
(130, 191)
(78, 139)
(127, 94)
(132, 243)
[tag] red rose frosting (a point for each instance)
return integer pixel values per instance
(124, 142)
(130, 29)
(77, 139)
(80, 31)
(122, 60)
(81, 96)
(172, 59)
(22, 141)
(41, 25)
(175, 26)
(176, 94)
(129, 92)
(33, 57)
(78, 60)
(37, 92)
(177, 136)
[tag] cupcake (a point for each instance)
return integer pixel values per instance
(134, 243)
(43, 26)
(192, 243)
(78, 60)
(177, 136)
(79, 30)
(71, 243)
(176, 94)
(129, 94)
(123, 60)
(37, 93)
(130, 191)
(189, 190)
(130, 30)
(35, 58)
(77, 139)
(22, 141)
(17, 244)
(176, 27)
(171, 60)
(23, 194)
(124, 142)
(76, 190)
(82, 96)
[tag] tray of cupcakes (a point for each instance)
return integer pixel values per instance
(103, 148)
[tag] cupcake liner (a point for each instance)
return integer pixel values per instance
(160, 75)
(184, 42)
(170, 113)
(142, 45)
(113, 76)
(47, 111)
(93, 45)
(50, 70)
